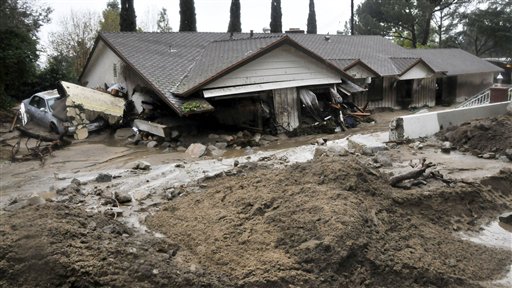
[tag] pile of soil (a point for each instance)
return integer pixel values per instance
(481, 136)
(330, 222)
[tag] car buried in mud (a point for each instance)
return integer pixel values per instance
(39, 109)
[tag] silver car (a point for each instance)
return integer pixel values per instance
(38, 109)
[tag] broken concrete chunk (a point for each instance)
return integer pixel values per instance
(384, 159)
(141, 165)
(103, 177)
(196, 150)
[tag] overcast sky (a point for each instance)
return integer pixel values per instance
(213, 15)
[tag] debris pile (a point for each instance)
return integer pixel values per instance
(488, 138)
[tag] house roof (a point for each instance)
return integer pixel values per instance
(455, 61)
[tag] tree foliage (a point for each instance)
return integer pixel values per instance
(235, 24)
(187, 16)
(76, 38)
(276, 25)
(409, 22)
(110, 21)
(487, 32)
(127, 17)
(311, 18)
(163, 21)
(20, 21)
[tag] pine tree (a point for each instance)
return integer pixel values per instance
(276, 25)
(187, 16)
(110, 21)
(311, 18)
(127, 18)
(235, 25)
(163, 21)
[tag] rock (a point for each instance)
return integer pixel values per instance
(165, 145)
(123, 197)
(221, 145)
(320, 151)
(152, 144)
(446, 147)
(384, 159)
(123, 133)
(196, 150)
(179, 165)
(70, 189)
(489, 155)
(103, 177)
(141, 165)
(337, 150)
(236, 163)
(215, 152)
(320, 142)
(506, 219)
(367, 151)
(249, 151)
(228, 138)
(181, 149)
(213, 136)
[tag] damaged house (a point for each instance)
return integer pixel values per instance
(262, 81)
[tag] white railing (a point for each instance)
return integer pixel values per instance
(480, 99)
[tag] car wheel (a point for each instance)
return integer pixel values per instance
(53, 128)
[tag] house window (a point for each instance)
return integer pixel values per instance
(114, 70)
(375, 89)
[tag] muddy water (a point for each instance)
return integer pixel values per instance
(494, 234)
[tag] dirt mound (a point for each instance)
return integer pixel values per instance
(333, 222)
(330, 222)
(481, 136)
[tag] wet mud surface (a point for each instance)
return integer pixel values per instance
(298, 217)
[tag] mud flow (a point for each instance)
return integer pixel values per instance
(322, 215)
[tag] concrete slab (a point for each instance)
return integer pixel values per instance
(427, 124)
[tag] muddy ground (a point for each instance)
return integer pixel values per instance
(271, 221)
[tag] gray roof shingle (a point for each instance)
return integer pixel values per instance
(175, 63)
(455, 61)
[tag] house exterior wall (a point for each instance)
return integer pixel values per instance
(106, 67)
(423, 94)
(471, 84)
(388, 96)
(283, 64)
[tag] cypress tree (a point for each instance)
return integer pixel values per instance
(276, 26)
(235, 25)
(187, 16)
(311, 18)
(127, 22)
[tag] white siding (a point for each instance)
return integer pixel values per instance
(101, 70)
(419, 71)
(286, 107)
(359, 72)
(283, 64)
